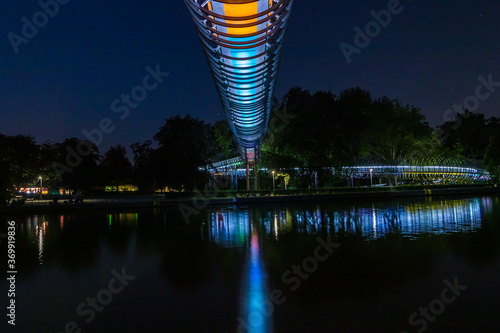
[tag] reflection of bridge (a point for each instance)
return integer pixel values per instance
(230, 227)
(234, 169)
(242, 40)
(249, 229)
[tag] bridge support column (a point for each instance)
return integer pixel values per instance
(256, 180)
(248, 177)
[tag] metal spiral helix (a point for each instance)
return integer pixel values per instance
(242, 40)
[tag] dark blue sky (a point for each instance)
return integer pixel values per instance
(66, 77)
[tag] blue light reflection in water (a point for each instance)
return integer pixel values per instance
(256, 291)
(232, 228)
(229, 227)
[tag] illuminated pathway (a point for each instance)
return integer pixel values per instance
(233, 168)
(242, 40)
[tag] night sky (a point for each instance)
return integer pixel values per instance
(66, 77)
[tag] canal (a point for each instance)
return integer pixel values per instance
(412, 265)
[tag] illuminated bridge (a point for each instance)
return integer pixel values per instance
(234, 168)
(242, 40)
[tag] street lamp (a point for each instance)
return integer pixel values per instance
(41, 186)
(371, 177)
(274, 185)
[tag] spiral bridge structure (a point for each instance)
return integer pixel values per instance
(413, 171)
(242, 40)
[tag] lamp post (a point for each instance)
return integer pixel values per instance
(371, 177)
(274, 185)
(41, 186)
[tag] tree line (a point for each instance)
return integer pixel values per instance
(307, 131)
(171, 158)
(353, 128)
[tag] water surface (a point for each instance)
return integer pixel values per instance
(262, 268)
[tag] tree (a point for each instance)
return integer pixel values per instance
(394, 131)
(492, 156)
(337, 131)
(430, 151)
(143, 173)
(115, 167)
(184, 145)
(6, 180)
(354, 106)
(283, 147)
(23, 159)
(323, 131)
(472, 130)
(287, 139)
(224, 138)
(76, 164)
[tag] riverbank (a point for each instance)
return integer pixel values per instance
(148, 201)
